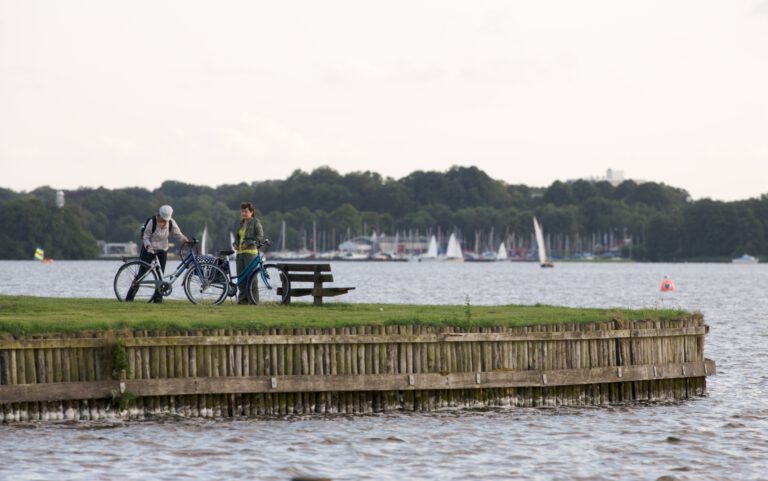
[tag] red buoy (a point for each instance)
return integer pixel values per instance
(667, 285)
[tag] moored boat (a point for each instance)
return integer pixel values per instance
(745, 259)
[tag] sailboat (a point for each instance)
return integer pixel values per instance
(40, 256)
(501, 255)
(204, 241)
(431, 253)
(453, 252)
(543, 261)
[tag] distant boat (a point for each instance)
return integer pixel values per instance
(543, 261)
(501, 255)
(745, 259)
(487, 256)
(204, 241)
(40, 256)
(453, 252)
(431, 253)
(351, 256)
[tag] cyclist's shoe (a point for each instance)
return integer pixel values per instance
(157, 300)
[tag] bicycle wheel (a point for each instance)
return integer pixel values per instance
(274, 291)
(135, 281)
(207, 288)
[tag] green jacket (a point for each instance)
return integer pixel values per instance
(254, 235)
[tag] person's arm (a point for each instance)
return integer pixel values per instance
(147, 237)
(177, 232)
(236, 232)
(258, 231)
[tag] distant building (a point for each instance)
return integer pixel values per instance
(384, 243)
(613, 177)
(357, 245)
(59, 199)
(116, 250)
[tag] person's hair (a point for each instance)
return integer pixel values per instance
(246, 205)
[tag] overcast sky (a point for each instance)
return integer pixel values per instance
(115, 94)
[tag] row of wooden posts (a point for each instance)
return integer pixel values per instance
(214, 373)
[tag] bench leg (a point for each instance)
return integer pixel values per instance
(318, 301)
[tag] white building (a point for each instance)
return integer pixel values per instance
(116, 250)
(612, 176)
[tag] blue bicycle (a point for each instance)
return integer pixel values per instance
(264, 283)
(204, 283)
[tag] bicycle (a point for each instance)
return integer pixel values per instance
(203, 283)
(272, 283)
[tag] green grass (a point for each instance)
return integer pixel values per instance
(23, 315)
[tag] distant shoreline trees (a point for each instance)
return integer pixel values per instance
(651, 221)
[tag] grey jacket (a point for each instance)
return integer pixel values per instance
(254, 234)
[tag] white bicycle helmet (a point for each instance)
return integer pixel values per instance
(165, 211)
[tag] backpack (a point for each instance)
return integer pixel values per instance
(154, 228)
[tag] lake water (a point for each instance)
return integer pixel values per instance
(721, 436)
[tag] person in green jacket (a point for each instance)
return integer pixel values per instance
(250, 235)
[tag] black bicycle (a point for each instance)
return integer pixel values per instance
(204, 283)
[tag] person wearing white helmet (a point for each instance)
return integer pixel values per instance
(154, 242)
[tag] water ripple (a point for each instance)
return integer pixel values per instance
(723, 436)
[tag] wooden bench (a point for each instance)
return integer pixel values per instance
(316, 274)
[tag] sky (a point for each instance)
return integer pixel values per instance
(117, 94)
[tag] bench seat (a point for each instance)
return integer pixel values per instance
(316, 275)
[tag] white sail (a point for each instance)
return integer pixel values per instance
(540, 246)
(204, 241)
(454, 249)
(501, 255)
(431, 250)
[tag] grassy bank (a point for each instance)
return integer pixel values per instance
(23, 315)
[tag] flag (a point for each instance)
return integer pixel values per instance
(39, 254)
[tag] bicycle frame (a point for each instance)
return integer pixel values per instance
(186, 263)
(256, 265)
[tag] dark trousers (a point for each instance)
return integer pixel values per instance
(241, 262)
(148, 257)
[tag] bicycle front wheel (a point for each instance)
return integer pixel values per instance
(207, 287)
(135, 281)
(270, 285)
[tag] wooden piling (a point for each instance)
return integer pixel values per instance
(278, 372)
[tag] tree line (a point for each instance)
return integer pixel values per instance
(663, 222)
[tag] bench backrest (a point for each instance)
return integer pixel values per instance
(314, 273)
(317, 275)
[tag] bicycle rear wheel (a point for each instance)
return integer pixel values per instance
(135, 281)
(208, 287)
(274, 291)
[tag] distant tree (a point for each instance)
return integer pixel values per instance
(583, 190)
(667, 224)
(560, 220)
(663, 238)
(30, 223)
(659, 196)
(559, 194)
(708, 229)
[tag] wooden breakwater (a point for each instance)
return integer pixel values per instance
(275, 372)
